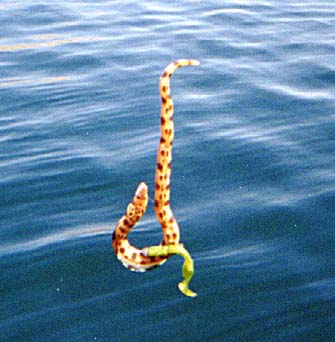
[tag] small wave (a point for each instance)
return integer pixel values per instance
(40, 242)
(50, 43)
(17, 81)
(304, 94)
(325, 288)
(242, 256)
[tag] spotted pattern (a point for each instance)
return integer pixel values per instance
(132, 257)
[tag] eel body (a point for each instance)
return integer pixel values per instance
(147, 258)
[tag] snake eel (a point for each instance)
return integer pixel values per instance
(147, 258)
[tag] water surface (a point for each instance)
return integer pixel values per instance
(253, 183)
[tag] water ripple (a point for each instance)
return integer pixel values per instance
(50, 43)
(55, 238)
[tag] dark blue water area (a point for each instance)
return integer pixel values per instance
(253, 175)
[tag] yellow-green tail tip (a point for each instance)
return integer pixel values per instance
(187, 269)
(185, 290)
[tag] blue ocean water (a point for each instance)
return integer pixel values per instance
(253, 182)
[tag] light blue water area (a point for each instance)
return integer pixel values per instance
(253, 182)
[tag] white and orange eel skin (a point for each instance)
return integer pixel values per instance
(147, 258)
